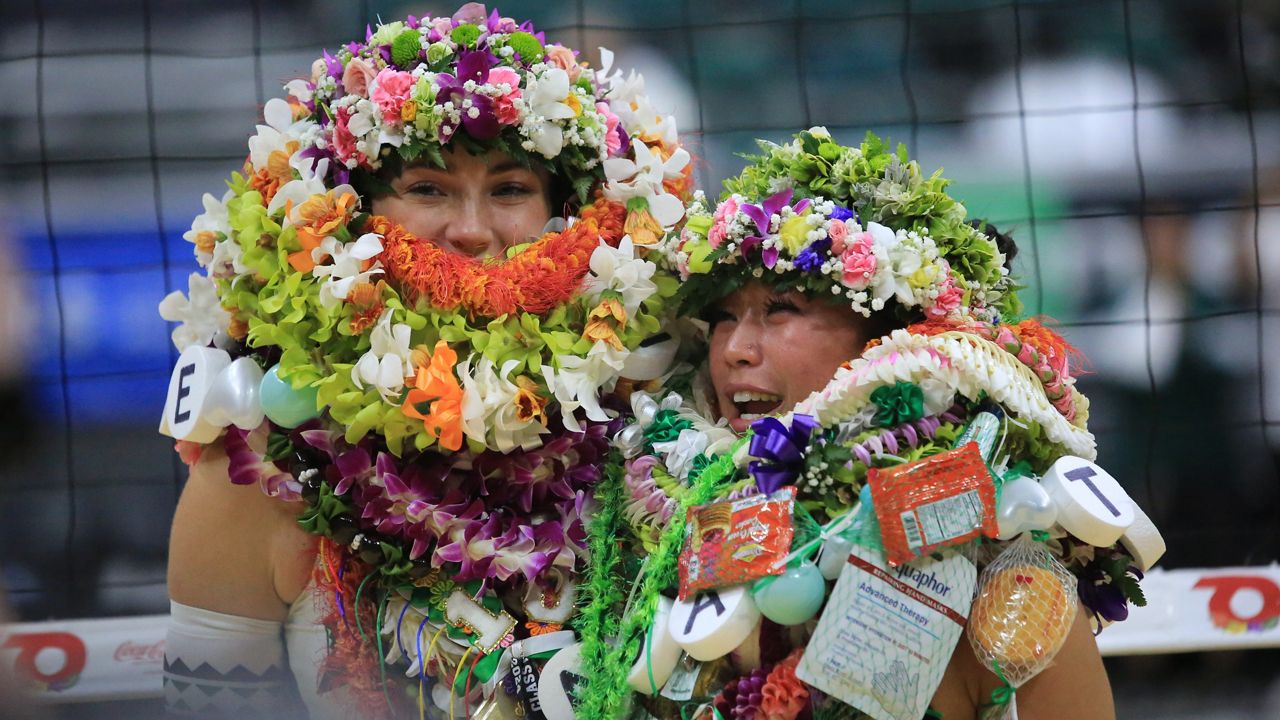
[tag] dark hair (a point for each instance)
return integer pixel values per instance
(1004, 242)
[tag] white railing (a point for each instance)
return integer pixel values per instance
(122, 658)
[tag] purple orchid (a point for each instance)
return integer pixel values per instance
(478, 118)
(246, 465)
(762, 214)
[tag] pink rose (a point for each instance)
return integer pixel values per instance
(506, 25)
(441, 27)
(344, 143)
(390, 91)
(562, 57)
(504, 107)
(612, 140)
(837, 232)
(859, 259)
(720, 226)
(948, 300)
(356, 77)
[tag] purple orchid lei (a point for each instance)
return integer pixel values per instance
(483, 516)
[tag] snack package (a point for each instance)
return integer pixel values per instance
(733, 542)
(944, 499)
(1024, 608)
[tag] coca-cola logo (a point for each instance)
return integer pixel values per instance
(137, 653)
(50, 661)
(1242, 603)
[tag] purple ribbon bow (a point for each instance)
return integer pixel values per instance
(780, 449)
(761, 214)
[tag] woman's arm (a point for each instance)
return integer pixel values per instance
(234, 550)
(236, 562)
(1073, 687)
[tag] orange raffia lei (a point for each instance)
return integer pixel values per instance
(539, 278)
(436, 384)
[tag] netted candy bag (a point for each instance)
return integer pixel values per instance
(1025, 606)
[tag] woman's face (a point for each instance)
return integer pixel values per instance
(479, 206)
(770, 350)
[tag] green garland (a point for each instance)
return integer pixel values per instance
(604, 690)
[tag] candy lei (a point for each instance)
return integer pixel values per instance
(963, 363)
(604, 688)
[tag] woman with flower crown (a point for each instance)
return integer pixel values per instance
(899, 425)
(415, 297)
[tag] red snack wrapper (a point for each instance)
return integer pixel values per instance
(945, 499)
(733, 542)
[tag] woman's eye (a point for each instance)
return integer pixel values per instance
(512, 190)
(425, 189)
(779, 305)
(716, 316)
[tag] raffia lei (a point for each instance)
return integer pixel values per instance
(604, 690)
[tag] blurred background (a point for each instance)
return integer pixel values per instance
(1131, 147)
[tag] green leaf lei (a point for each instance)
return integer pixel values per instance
(604, 690)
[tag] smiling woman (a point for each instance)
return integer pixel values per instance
(895, 432)
(769, 350)
(390, 388)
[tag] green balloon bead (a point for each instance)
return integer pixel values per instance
(793, 597)
(286, 406)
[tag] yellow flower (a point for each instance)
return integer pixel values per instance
(574, 104)
(604, 322)
(642, 227)
(529, 404)
(794, 234)
(923, 277)
(409, 111)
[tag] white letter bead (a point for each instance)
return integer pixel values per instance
(1091, 504)
(188, 385)
(659, 652)
(559, 677)
(1143, 540)
(714, 622)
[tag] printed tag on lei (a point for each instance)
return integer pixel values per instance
(733, 542)
(887, 634)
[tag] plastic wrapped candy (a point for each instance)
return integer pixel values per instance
(1025, 606)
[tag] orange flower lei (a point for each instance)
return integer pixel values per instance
(541, 277)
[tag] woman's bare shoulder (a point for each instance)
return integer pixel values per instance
(232, 549)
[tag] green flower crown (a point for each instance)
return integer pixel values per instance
(860, 222)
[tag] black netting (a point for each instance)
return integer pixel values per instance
(1128, 145)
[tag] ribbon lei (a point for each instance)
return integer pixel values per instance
(780, 450)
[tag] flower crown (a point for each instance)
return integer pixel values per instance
(860, 222)
(477, 81)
